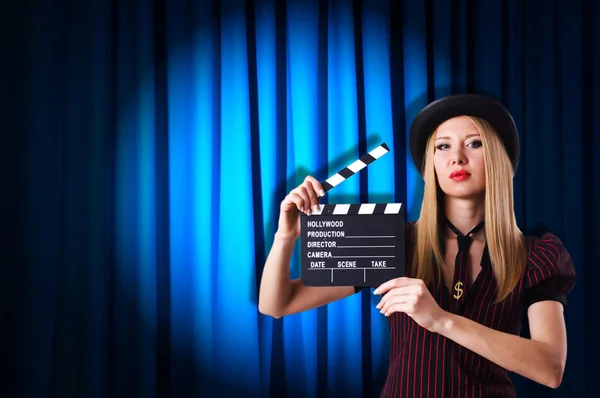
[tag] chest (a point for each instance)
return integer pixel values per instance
(474, 257)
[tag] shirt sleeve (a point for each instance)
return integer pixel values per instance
(550, 273)
(408, 240)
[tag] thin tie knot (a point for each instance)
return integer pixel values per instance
(464, 241)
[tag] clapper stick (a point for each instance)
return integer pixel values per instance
(355, 167)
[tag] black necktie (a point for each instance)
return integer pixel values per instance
(461, 266)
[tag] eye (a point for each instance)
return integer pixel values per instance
(475, 144)
(442, 147)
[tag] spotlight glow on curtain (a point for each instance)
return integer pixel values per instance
(214, 314)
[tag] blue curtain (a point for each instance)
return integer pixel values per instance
(148, 145)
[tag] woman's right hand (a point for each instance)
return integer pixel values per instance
(304, 198)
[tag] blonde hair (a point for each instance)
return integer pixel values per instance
(505, 241)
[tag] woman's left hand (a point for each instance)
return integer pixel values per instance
(412, 297)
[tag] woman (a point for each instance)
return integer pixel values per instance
(455, 318)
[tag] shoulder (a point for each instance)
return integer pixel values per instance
(550, 271)
(548, 258)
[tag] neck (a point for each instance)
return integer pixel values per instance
(464, 214)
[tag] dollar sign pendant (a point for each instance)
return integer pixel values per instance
(459, 291)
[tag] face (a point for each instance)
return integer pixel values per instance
(458, 159)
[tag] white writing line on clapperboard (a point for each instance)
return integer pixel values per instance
(371, 236)
(359, 256)
(353, 247)
(330, 268)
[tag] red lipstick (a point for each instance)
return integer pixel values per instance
(460, 175)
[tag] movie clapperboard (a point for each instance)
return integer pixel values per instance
(353, 244)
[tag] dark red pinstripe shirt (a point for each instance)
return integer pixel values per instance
(425, 364)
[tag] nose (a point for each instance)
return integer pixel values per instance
(458, 158)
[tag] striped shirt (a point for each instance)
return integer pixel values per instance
(426, 364)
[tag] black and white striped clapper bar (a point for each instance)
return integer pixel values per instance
(353, 244)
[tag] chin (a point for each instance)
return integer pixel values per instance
(465, 193)
(473, 196)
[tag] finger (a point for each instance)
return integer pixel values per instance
(297, 200)
(397, 282)
(312, 196)
(316, 185)
(405, 298)
(392, 301)
(301, 191)
(407, 308)
(385, 298)
(410, 290)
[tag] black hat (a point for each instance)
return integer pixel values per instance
(475, 105)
